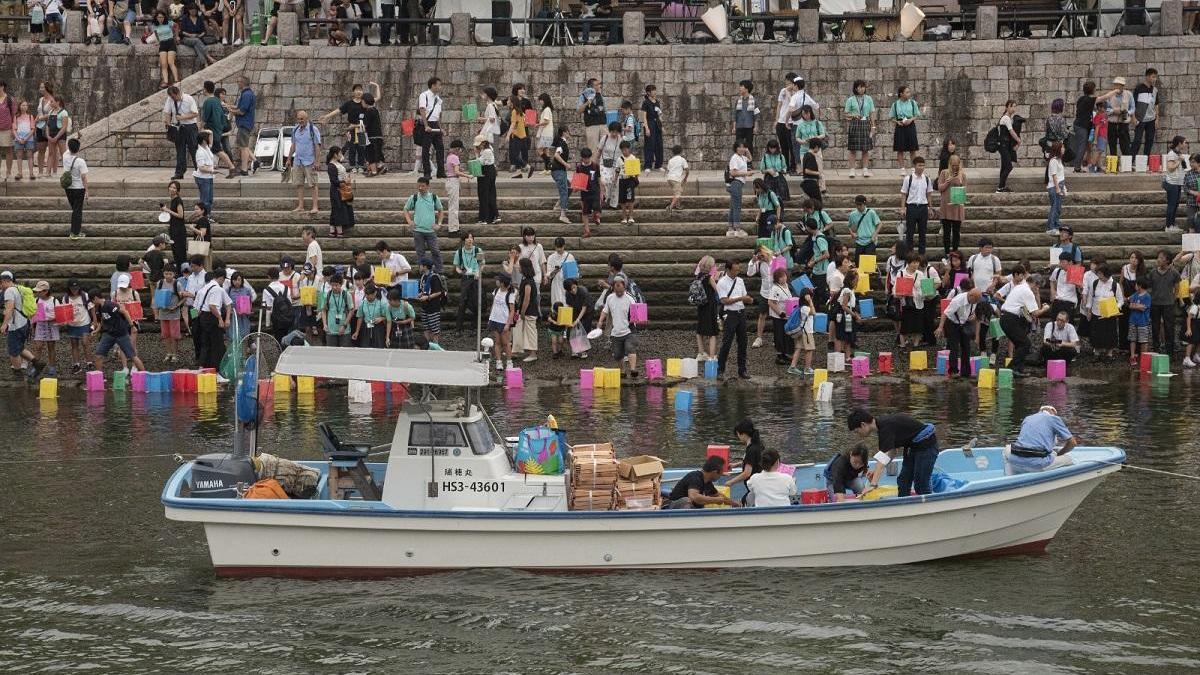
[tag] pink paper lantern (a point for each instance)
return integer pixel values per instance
(514, 378)
(654, 369)
(1056, 369)
(586, 378)
(860, 366)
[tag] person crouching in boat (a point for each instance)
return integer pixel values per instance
(696, 490)
(1034, 449)
(771, 487)
(847, 472)
(752, 460)
(917, 440)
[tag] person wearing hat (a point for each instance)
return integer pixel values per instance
(489, 210)
(213, 303)
(124, 296)
(155, 258)
(1119, 110)
(113, 325)
(1035, 448)
(45, 330)
(306, 315)
(16, 330)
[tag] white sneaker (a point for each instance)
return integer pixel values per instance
(853, 174)
(701, 356)
(564, 220)
(1188, 362)
(624, 221)
(222, 380)
(1172, 230)
(866, 173)
(632, 221)
(237, 42)
(1052, 232)
(529, 359)
(739, 233)
(730, 233)
(757, 343)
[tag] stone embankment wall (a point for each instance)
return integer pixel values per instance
(960, 85)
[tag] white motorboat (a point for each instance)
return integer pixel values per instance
(450, 497)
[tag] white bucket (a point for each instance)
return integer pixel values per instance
(690, 368)
(717, 21)
(836, 362)
(825, 392)
(1125, 164)
(1141, 163)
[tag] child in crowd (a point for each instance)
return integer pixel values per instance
(805, 341)
(168, 314)
(500, 320)
(337, 313)
(558, 331)
(400, 319)
(589, 197)
(239, 287)
(629, 123)
(847, 316)
(113, 327)
(80, 326)
(1099, 138)
(1139, 319)
(45, 331)
(432, 297)
(777, 299)
(677, 175)
(1191, 331)
(371, 329)
(627, 183)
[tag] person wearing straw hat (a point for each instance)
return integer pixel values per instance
(1035, 448)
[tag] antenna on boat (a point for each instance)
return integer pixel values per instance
(969, 447)
(478, 307)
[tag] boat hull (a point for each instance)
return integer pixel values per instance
(370, 542)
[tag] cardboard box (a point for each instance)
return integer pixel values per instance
(640, 467)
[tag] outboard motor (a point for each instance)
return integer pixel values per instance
(217, 475)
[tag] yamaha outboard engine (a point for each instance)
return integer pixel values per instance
(217, 475)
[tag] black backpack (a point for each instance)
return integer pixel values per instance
(991, 142)
(281, 309)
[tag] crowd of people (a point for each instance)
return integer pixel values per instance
(806, 275)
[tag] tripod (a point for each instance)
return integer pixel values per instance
(1070, 23)
(559, 33)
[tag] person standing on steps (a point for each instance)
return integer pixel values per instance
(859, 113)
(652, 130)
(1176, 167)
(738, 172)
(180, 115)
(355, 112)
(904, 113)
(745, 115)
(424, 212)
(731, 291)
(1145, 113)
(783, 121)
(205, 171)
(1119, 109)
(77, 193)
(213, 117)
(243, 114)
(1009, 140)
(591, 107)
(1085, 108)
(429, 116)
(302, 160)
(8, 114)
(915, 190)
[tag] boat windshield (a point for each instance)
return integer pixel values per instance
(480, 433)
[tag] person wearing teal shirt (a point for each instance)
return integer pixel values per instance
(864, 225)
(371, 329)
(400, 319)
(818, 264)
(781, 242)
(423, 212)
(336, 313)
(807, 127)
(467, 260)
(904, 113)
(859, 114)
(770, 210)
(774, 167)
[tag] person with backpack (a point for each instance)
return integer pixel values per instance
(423, 212)
(74, 181)
(702, 294)
(337, 314)
(770, 208)
(370, 319)
(432, 297)
(468, 259)
(864, 227)
(500, 320)
(400, 319)
(277, 302)
(113, 325)
(1008, 139)
(777, 298)
(80, 326)
(1102, 331)
(19, 305)
(45, 331)
(799, 327)
(817, 264)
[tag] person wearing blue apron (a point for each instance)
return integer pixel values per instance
(917, 439)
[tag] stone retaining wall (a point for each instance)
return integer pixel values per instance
(961, 85)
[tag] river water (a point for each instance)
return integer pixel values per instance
(93, 577)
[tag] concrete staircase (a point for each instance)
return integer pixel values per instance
(1112, 215)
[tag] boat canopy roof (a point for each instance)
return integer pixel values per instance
(453, 369)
